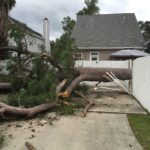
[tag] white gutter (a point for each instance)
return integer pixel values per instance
(46, 35)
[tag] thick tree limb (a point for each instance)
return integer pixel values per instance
(122, 74)
(5, 86)
(29, 112)
(13, 49)
(95, 74)
(48, 58)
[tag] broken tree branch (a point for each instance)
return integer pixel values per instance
(80, 94)
(87, 108)
(29, 112)
(92, 74)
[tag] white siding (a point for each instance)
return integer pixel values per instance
(141, 81)
(33, 42)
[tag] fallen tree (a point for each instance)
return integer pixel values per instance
(95, 74)
(83, 74)
(34, 75)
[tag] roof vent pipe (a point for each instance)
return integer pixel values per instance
(46, 35)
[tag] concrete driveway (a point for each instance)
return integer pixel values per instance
(106, 127)
(94, 132)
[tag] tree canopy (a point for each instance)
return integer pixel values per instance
(8, 4)
(5, 7)
(68, 25)
(90, 9)
(145, 30)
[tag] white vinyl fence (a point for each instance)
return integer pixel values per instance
(103, 64)
(141, 81)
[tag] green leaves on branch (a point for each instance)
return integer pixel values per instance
(145, 30)
(90, 9)
(19, 36)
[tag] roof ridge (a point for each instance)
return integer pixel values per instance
(25, 26)
(106, 14)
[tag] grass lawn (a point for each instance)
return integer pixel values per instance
(140, 125)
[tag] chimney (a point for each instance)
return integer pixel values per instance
(46, 35)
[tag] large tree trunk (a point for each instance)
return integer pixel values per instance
(3, 29)
(3, 26)
(84, 74)
(95, 74)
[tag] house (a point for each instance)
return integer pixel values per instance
(97, 36)
(35, 40)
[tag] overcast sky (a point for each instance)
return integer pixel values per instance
(32, 12)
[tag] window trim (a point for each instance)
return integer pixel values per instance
(96, 55)
(81, 56)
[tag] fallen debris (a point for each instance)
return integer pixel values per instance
(28, 112)
(89, 105)
(30, 146)
(92, 74)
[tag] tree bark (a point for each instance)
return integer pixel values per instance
(26, 112)
(3, 26)
(95, 74)
(5, 86)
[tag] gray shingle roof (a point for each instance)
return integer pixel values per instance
(24, 26)
(107, 30)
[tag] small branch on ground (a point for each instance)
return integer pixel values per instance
(84, 97)
(88, 106)
(30, 146)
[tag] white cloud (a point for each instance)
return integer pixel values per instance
(32, 12)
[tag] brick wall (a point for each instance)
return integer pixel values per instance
(103, 54)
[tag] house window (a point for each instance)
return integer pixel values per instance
(94, 56)
(78, 56)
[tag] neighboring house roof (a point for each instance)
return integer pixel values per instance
(25, 27)
(107, 31)
(129, 53)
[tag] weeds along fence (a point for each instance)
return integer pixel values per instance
(103, 64)
(141, 81)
